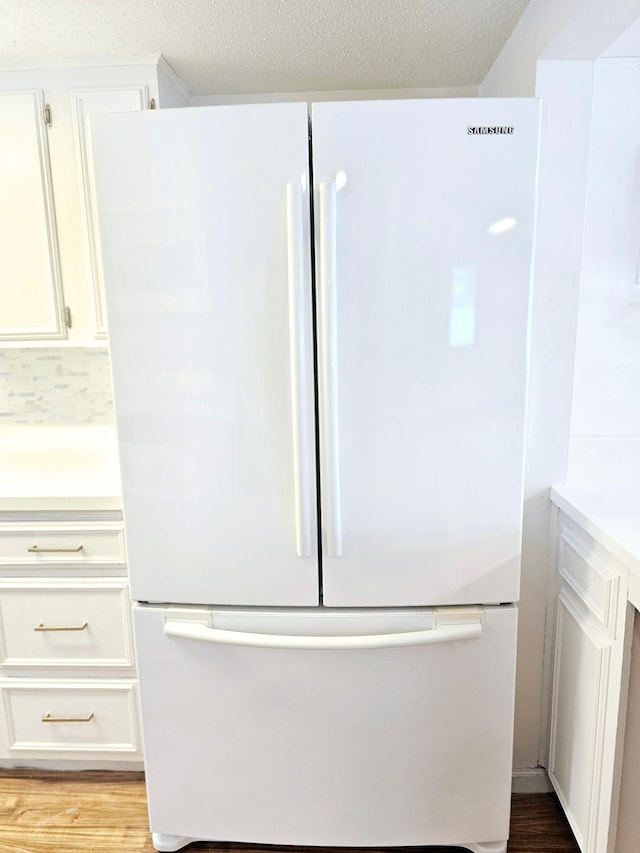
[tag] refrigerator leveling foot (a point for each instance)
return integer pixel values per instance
(163, 842)
(487, 847)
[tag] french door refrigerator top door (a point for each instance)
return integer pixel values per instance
(204, 223)
(424, 232)
(423, 235)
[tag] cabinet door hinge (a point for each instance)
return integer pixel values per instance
(152, 104)
(46, 114)
(67, 316)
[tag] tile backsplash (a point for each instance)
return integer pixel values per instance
(55, 385)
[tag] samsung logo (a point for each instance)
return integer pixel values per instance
(488, 130)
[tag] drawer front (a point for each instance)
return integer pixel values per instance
(32, 545)
(594, 578)
(68, 717)
(65, 623)
(371, 746)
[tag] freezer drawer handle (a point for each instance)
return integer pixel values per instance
(328, 371)
(299, 349)
(442, 634)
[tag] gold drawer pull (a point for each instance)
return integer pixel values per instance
(49, 719)
(36, 549)
(42, 627)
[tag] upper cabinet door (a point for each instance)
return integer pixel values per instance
(85, 104)
(203, 219)
(424, 227)
(31, 294)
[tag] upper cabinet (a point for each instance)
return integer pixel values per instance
(48, 253)
(31, 296)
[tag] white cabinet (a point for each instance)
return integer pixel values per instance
(629, 812)
(47, 251)
(31, 295)
(68, 687)
(588, 685)
(86, 103)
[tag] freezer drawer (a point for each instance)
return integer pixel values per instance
(355, 728)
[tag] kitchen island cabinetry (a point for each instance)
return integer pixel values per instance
(67, 671)
(49, 254)
(597, 558)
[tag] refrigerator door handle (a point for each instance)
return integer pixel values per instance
(299, 348)
(441, 634)
(328, 371)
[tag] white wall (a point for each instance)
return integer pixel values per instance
(514, 71)
(605, 425)
(344, 95)
(557, 29)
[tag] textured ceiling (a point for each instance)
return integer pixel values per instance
(236, 46)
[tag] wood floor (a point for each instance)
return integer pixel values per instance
(95, 812)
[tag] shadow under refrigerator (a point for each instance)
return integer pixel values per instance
(318, 328)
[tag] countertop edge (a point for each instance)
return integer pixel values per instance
(67, 503)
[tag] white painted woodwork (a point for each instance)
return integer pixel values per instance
(588, 692)
(144, 79)
(583, 656)
(592, 579)
(629, 811)
(31, 295)
(359, 748)
(423, 248)
(85, 104)
(66, 673)
(41, 624)
(196, 250)
(111, 730)
(60, 544)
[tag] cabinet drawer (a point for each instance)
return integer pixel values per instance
(31, 545)
(64, 623)
(594, 579)
(96, 716)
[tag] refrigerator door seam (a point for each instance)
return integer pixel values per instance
(328, 364)
(298, 349)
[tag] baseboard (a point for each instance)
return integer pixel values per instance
(530, 780)
(69, 764)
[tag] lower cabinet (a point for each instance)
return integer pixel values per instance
(588, 685)
(77, 718)
(68, 687)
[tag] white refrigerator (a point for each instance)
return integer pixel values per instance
(318, 328)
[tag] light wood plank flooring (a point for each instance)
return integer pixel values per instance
(96, 812)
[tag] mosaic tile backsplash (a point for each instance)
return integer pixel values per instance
(55, 385)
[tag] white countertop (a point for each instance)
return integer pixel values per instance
(59, 467)
(610, 512)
